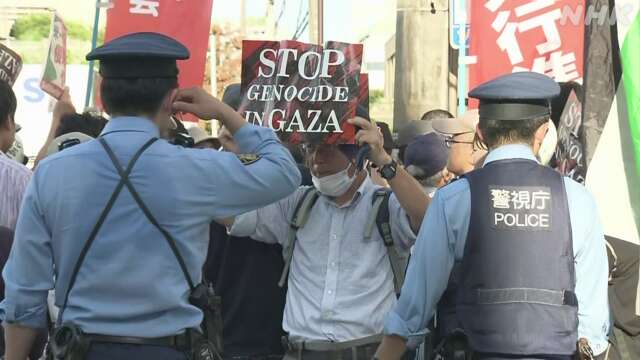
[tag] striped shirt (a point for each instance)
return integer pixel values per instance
(14, 178)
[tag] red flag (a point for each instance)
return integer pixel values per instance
(527, 35)
(186, 21)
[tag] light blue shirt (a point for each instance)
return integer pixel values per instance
(130, 283)
(340, 285)
(441, 242)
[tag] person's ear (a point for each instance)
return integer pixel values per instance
(167, 103)
(7, 123)
(538, 137)
(479, 133)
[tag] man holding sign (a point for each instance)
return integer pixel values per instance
(342, 272)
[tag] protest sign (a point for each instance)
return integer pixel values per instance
(301, 91)
(54, 75)
(186, 21)
(526, 35)
(569, 152)
(10, 65)
(361, 101)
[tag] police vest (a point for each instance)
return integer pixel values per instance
(517, 277)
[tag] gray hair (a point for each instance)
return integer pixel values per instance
(418, 174)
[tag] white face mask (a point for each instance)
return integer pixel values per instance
(334, 185)
(548, 145)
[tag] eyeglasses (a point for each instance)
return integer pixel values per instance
(449, 141)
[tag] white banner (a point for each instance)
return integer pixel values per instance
(34, 105)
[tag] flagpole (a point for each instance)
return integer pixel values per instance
(94, 40)
(462, 55)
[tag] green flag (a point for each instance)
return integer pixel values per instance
(630, 55)
(614, 173)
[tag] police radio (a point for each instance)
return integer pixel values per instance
(181, 135)
(184, 140)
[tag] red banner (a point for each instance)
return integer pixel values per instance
(544, 36)
(186, 21)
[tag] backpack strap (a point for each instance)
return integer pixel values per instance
(299, 218)
(381, 217)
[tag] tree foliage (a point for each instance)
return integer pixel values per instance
(35, 27)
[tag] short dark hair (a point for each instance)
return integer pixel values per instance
(8, 102)
(135, 96)
(85, 123)
(501, 132)
(436, 114)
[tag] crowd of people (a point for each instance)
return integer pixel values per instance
(137, 238)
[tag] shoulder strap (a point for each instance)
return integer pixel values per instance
(381, 217)
(298, 219)
(147, 213)
(103, 216)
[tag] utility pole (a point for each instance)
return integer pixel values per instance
(422, 58)
(272, 23)
(316, 21)
(243, 18)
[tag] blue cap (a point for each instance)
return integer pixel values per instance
(426, 155)
(140, 55)
(517, 96)
(232, 96)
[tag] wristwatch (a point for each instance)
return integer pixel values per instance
(389, 170)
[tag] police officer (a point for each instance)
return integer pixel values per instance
(531, 247)
(119, 225)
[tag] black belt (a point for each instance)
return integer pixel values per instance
(180, 342)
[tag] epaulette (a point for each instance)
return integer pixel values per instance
(248, 159)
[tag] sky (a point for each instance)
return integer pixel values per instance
(336, 26)
(342, 21)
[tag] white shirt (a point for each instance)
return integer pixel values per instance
(340, 283)
(14, 178)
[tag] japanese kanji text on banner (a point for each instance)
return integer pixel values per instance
(186, 21)
(527, 35)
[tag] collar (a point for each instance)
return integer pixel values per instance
(131, 124)
(512, 151)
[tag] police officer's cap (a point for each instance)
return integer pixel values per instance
(140, 55)
(517, 96)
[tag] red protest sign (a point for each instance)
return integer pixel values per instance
(55, 65)
(348, 134)
(186, 21)
(10, 65)
(527, 35)
(301, 91)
